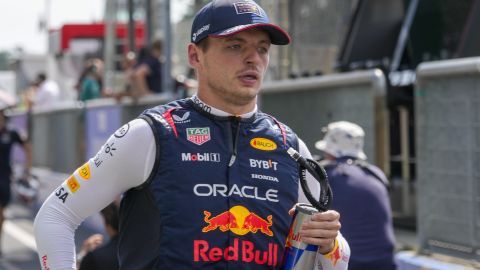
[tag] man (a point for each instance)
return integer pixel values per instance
(8, 137)
(147, 75)
(208, 180)
(363, 197)
(105, 256)
(46, 92)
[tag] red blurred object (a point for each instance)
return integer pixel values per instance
(61, 39)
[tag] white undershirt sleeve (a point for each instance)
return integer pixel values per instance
(124, 161)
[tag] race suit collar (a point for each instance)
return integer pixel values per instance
(217, 113)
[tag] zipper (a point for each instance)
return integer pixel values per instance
(235, 129)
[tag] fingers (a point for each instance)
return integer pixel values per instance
(322, 230)
(329, 220)
(93, 242)
(329, 215)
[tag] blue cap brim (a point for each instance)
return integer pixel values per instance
(277, 35)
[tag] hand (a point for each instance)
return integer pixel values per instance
(322, 230)
(92, 243)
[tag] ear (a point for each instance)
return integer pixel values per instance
(193, 55)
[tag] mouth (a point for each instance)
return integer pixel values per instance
(249, 77)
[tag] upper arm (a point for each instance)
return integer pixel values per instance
(123, 162)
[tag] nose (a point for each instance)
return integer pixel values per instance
(253, 56)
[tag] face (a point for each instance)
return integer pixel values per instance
(231, 70)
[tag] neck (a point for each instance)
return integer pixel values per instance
(228, 107)
(218, 112)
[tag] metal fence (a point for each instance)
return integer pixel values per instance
(64, 137)
(447, 110)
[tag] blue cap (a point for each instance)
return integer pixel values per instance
(227, 17)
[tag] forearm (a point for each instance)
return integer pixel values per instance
(51, 225)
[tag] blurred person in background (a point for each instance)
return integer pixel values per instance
(128, 63)
(90, 87)
(97, 255)
(147, 74)
(363, 197)
(9, 137)
(92, 73)
(45, 92)
(207, 182)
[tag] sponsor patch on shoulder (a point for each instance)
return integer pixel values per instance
(263, 144)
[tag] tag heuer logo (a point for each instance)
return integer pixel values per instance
(198, 136)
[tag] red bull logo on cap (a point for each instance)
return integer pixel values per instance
(238, 220)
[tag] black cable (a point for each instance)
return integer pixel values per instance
(317, 171)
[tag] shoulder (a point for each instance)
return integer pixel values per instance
(283, 133)
(273, 123)
(169, 107)
(327, 163)
(378, 173)
(167, 113)
(152, 62)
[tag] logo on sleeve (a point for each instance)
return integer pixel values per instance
(198, 136)
(84, 171)
(122, 131)
(61, 194)
(73, 184)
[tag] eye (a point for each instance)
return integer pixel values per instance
(235, 47)
(263, 50)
